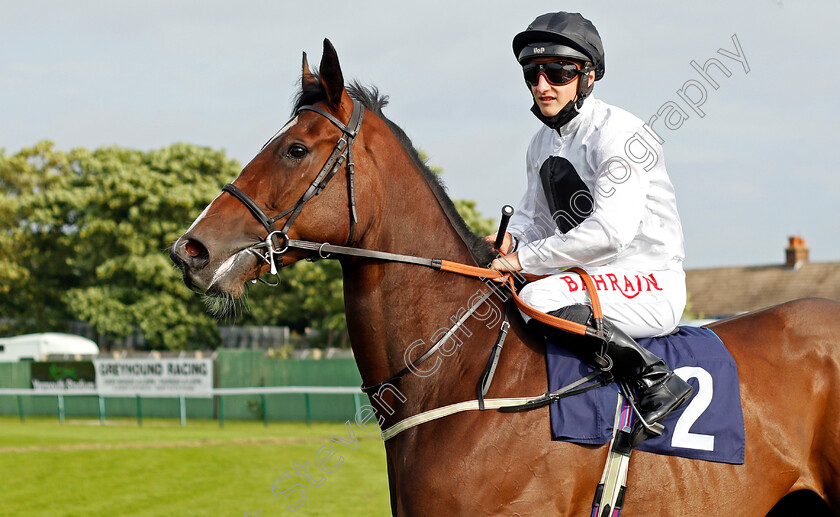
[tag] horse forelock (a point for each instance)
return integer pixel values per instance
(374, 101)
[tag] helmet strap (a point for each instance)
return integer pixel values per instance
(566, 114)
(570, 110)
(584, 88)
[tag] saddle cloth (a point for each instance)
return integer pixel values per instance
(710, 426)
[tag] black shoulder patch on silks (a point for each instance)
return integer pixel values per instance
(568, 197)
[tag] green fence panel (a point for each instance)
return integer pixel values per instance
(233, 369)
(14, 375)
(251, 368)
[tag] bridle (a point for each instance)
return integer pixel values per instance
(277, 242)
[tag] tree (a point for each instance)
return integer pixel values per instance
(86, 233)
(13, 276)
(475, 220)
(90, 230)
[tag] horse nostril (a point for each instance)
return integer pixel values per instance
(194, 249)
(196, 253)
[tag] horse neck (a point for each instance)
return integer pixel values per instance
(391, 306)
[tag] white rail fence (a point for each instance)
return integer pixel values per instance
(215, 392)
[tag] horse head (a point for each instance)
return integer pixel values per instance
(282, 193)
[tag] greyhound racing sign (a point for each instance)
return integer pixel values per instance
(154, 377)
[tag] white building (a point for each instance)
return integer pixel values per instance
(36, 347)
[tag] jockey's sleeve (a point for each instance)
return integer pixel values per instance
(619, 195)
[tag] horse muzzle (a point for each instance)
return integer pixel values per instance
(210, 273)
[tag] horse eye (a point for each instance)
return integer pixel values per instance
(297, 151)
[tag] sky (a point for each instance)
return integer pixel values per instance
(758, 166)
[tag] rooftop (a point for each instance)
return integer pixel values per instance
(725, 291)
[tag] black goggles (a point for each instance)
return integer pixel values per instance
(556, 72)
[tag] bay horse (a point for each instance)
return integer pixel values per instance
(487, 462)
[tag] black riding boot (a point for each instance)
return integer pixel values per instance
(659, 390)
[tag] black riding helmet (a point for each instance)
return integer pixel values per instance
(567, 35)
(563, 35)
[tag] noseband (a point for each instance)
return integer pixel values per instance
(277, 241)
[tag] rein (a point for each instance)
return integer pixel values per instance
(325, 250)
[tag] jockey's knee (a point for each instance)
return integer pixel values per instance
(544, 298)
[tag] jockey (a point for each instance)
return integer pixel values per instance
(599, 198)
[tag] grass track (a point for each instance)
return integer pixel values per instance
(84, 469)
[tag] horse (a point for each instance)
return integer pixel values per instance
(371, 191)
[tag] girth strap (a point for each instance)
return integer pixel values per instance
(575, 388)
(513, 403)
(434, 414)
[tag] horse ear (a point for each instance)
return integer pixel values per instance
(330, 74)
(307, 80)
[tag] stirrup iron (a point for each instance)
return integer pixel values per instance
(655, 429)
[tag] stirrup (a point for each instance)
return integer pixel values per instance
(641, 427)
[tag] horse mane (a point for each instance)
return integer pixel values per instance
(373, 101)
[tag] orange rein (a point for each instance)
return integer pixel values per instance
(500, 277)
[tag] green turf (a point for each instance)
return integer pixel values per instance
(161, 469)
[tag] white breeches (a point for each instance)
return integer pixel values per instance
(642, 304)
